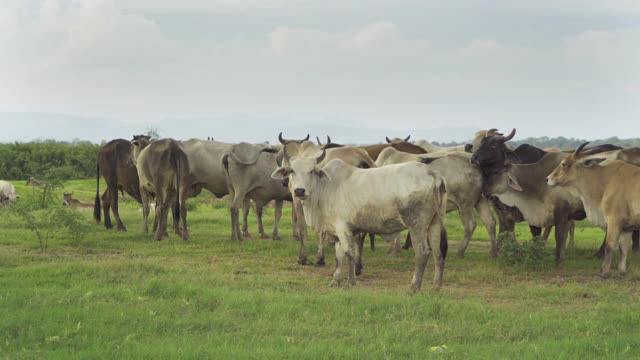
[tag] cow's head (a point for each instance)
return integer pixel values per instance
(492, 150)
(397, 140)
(477, 139)
(303, 174)
(500, 180)
(67, 199)
(138, 143)
(565, 173)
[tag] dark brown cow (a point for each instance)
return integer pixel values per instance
(114, 163)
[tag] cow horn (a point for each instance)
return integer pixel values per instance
(321, 157)
(389, 141)
(510, 136)
(282, 141)
(328, 140)
(580, 148)
(407, 138)
(306, 139)
(318, 140)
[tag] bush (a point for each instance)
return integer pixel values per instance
(528, 253)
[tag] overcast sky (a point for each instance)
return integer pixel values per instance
(547, 67)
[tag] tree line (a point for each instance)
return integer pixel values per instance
(48, 159)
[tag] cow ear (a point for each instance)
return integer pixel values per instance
(281, 173)
(587, 163)
(513, 183)
(135, 143)
(322, 174)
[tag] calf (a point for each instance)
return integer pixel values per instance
(75, 203)
(342, 201)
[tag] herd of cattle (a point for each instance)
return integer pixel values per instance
(345, 193)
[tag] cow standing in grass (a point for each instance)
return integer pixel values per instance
(343, 201)
(163, 170)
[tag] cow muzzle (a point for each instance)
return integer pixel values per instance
(299, 193)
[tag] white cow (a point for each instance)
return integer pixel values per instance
(7, 193)
(342, 201)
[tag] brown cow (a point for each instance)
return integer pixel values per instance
(374, 150)
(114, 163)
(163, 170)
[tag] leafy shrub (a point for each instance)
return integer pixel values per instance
(528, 253)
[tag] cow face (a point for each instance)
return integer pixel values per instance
(565, 173)
(492, 149)
(67, 199)
(303, 175)
(499, 181)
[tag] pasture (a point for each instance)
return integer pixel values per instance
(125, 295)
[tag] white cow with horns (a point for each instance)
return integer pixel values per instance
(342, 201)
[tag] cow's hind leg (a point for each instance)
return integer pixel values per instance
(320, 253)
(106, 209)
(469, 224)
(623, 245)
(486, 216)
(359, 246)
(259, 213)
(246, 209)
(422, 250)
(613, 233)
(113, 197)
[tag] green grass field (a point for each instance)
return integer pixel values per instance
(123, 295)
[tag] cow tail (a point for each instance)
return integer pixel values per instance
(440, 193)
(97, 207)
(177, 164)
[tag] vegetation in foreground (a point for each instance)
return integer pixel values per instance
(124, 295)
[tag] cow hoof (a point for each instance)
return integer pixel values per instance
(264, 236)
(413, 290)
(123, 229)
(302, 262)
(358, 270)
(276, 237)
(350, 284)
(246, 234)
(320, 261)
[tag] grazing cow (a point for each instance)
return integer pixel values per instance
(7, 193)
(524, 186)
(75, 203)
(163, 170)
(342, 201)
(120, 173)
(249, 169)
(464, 186)
(610, 197)
(353, 156)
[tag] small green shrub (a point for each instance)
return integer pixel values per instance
(528, 253)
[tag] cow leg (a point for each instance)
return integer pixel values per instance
(635, 239)
(145, 211)
(320, 253)
(295, 233)
(422, 251)
(160, 215)
(183, 213)
(561, 223)
(106, 209)
(175, 212)
(345, 249)
(113, 196)
(623, 245)
(276, 222)
(302, 231)
(546, 233)
(246, 208)
(469, 224)
(438, 243)
(360, 245)
(613, 233)
(396, 246)
(486, 216)
(600, 253)
(340, 256)
(259, 213)
(572, 234)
